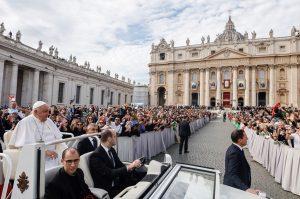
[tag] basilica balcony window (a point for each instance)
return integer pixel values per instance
(162, 56)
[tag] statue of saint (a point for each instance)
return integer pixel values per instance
(108, 72)
(56, 53)
(202, 40)
(293, 31)
(2, 28)
(187, 41)
(10, 34)
(271, 33)
(253, 35)
(98, 69)
(51, 49)
(208, 39)
(172, 43)
(246, 35)
(70, 58)
(74, 59)
(40, 46)
(116, 75)
(18, 36)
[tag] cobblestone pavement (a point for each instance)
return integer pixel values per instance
(207, 148)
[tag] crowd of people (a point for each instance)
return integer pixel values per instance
(125, 120)
(282, 124)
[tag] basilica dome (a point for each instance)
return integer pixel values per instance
(229, 34)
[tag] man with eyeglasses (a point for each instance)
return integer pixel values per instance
(69, 180)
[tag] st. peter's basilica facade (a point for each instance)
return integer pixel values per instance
(234, 70)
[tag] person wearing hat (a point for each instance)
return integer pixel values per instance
(37, 127)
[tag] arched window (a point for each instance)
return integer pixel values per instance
(179, 78)
(261, 74)
(213, 75)
(241, 74)
(226, 74)
(161, 79)
(282, 73)
(194, 77)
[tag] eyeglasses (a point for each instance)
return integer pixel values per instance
(75, 161)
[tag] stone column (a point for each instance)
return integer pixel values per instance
(234, 87)
(1, 78)
(170, 79)
(35, 87)
(271, 86)
(14, 80)
(247, 86)
(49, 87)
(253, 88)
(218, 95)
(186, 94)
(153, 92)
(294, 86)
(207, 87)
(202, 82)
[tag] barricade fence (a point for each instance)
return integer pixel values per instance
(280, 160)
(151, 143)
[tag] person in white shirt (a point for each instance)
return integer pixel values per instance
(37, 127)
(296, 137)
(116, 125)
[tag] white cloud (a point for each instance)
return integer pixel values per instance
(117, 34)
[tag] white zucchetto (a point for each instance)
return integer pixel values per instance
(38, 104)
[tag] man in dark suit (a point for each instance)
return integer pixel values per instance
(184, 133)
(237, 169)
(69, 180)
(88, 144)
(107, 171)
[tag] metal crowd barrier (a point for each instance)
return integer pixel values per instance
(151, 143)
(281, 161)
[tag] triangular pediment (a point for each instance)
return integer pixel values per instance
(227, 53)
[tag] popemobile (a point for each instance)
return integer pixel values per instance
(26, 168)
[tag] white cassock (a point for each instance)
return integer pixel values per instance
(31, 130)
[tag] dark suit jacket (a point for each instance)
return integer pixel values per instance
(237, 169)
(61, 186)
(184, 129)
(102, 170)
(85, 146)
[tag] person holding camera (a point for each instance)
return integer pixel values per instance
(107, 170)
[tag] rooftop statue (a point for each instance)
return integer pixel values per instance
(70, 58)
(187, 41)
(253, 35)
(123, 78)
(293, 31)
(74, 59)
(18, 36)
(2, 28)
(172, 43)
(40, 46)
(208, 39)
(10, 34)
(271, 33)
(116, 75)
(108, 72)
(129, 80)
(99, 69)
(202, 40)
(56, 53)
(51, 49)
(246, 36)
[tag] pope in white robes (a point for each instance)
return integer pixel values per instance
(35, 128)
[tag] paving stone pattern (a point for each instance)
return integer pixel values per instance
(207, 148)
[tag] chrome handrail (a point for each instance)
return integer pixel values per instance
(7, 175)
(71, 139)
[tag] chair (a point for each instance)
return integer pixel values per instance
(84, 165)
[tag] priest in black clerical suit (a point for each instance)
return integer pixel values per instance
(107, 171)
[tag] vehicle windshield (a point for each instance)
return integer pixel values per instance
(190, 183)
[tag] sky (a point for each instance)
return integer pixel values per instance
(117, 34)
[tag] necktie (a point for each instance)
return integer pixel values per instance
(111, 158)
(94, 142)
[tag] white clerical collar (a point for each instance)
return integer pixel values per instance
(37, 119)
(241, 148)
